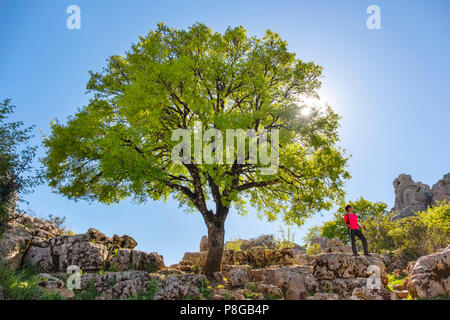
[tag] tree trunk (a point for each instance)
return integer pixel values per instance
(216, 235)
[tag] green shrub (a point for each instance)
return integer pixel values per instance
(149, 293)
(90, 293)
(20, 284)
(313, 249)
(423, 233)
(234, 245)
(205, 290)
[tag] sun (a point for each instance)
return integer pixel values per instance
(307, 103)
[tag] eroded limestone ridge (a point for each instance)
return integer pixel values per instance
(412, 197)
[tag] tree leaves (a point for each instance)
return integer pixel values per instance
(120, 144)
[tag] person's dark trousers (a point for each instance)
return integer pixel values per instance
(359, 234)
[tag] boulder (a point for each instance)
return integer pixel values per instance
(401, 294)
(127, 259)
(410, 196)
(430, 276)
(303, 259)
(341, 249)
(365, 293)
(270, 290)
(440, 191)
(95, 236)
(323, 296)
(298, 281)
(334, 243)
(329, 266)
(180, 286)
(238, 276)
(128, 242)
(193, 257)
(22, 232)
(321, 241)
(50, 282)
(119, 285)
(342, 287)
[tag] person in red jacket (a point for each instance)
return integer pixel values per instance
(351, 222)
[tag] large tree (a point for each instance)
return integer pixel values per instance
(16, 157)
(120, 144)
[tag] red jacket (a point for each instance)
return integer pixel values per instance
(352, 219)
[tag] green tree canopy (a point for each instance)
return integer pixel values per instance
(366, 211)
(16, 156)
(119, 145)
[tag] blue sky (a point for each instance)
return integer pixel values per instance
(391, 87)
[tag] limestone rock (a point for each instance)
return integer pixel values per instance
(334, 243)
(341, 265)
(365, 293)
(238, 276)
(128, 242)
(120, 285)
(321, 241)
(323, 296)
(401, 294)
(440, 191)
(60, 252)
(50, 282)
(298, 281)
(303, 259)
(204, 244)
(23, 231)
(270, 290)
(430, 276)
(410, 196)
(179, 287)
(192, 257)
(342, 287)
(341, 249)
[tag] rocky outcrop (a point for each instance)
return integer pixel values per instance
(321, 241)
(127, 259)
(329, 266)
(323, 296)
(90, 251)
(296, 281)
(22, 232)
(365, 293)
(180, 286)
(342, 273)
(410, 196)
(34, 241)
(116, 285)
(255, 257)
(440, 191)
(429, 277)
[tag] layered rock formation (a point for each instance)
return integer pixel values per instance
(412, 197)
(429, 276)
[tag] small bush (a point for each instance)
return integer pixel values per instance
(90, 293)
(313, 248)
(20, 284)
(149, 293)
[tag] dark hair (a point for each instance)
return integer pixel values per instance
(347, 207)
